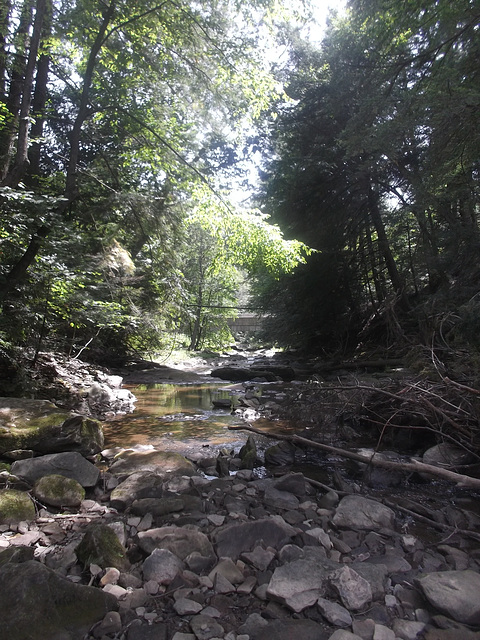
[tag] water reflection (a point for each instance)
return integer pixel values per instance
(181, 417)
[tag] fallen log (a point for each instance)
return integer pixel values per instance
(410, 467)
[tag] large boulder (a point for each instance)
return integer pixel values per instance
(38, 604)
(59, 491)
(455, 593)
(69, 464)
(162, 463)
(41, 426)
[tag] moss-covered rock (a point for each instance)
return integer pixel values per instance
(101, 546)
(59, 491)
(41, 426)
(15, 506)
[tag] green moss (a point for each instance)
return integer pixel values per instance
(101, 546)
(59, 491)
(15, 506)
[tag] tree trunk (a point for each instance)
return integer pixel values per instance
(384, 245)
(21, 158)
(13, 101)
(5, 9)
(40, 99)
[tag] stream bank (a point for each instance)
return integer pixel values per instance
(244, 556)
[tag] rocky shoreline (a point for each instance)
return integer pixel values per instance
(240, 557)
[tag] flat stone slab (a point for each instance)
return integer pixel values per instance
(162, 463)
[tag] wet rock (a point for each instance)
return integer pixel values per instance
(101, 546)
(455, 593)
(162, 463)
(15, 506)
(38, 604)
(362, 513)
(69, 464)
(59, 491)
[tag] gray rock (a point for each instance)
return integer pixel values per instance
(408, 629)
(136, 486)
(343, 634)
(157, 506)
(354, 591)
(253, 625)
(260, 558)
(362, 513)
(37, 604)
(375, 574)
(59, 491)
(447, 455)
(309, 573)
(238, 538)
(205, 627)
(293, 483)
(187, 607)
(181, 542)
(455, 593)
(69, 464)
(162, 463)
(162, 566)
(156, 631)
(281, 454)
(289, 629)
(280, 499)
(334, 613)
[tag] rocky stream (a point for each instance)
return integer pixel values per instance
(270, 540)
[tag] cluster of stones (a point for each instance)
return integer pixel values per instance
(159, 551)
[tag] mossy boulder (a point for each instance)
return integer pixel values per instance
(58, 491)
(101, 546)
(41, 426)
(15, 506)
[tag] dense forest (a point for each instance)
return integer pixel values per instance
(128, 131)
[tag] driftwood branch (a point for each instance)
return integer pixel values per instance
(409, 467)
